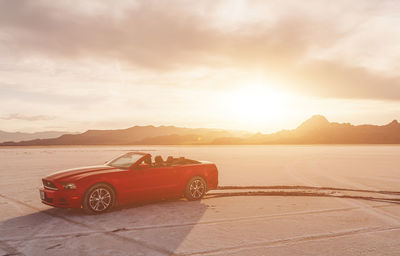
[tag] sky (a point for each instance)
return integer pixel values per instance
(259, 66)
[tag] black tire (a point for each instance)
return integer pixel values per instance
(196, 188)
(98, 198)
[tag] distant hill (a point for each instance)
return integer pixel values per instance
(316, 130)
(20, 136)
(137, 135)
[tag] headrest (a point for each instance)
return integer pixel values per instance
(170, 159)
(158, 159)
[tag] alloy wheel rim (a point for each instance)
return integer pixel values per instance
(100, 199)
(197, 189)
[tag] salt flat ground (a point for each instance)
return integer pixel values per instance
(293, 215)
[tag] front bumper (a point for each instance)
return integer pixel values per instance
(60, 198)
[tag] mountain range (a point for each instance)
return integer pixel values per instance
(137, 135)
(316, 130)
(21, 136)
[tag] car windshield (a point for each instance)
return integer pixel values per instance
(125, 161)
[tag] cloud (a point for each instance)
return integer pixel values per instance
(336, 79)
(17, 116)
(146, 35)
(27, 93)
(180, 35)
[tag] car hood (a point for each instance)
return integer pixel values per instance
(78, 171)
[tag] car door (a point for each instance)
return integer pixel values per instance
(153, 182)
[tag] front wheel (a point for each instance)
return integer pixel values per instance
(98, 199)
(195, 188)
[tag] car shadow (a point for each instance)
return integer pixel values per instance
(149, 228)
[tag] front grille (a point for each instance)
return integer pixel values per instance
(49, 185)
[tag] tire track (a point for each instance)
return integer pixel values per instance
(95, 230)
(303, 193)
(394, 220)
(224, 250)
(372, 211)
(114, 232)
(10, 250)
(309, 187)
(287, 241)
(165, 226)
(175, 225)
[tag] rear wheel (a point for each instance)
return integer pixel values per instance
(195, 188)
(98, 199)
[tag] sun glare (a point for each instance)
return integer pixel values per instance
(253, 104)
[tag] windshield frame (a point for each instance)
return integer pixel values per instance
(112, 161)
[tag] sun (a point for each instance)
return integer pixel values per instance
(256, 104)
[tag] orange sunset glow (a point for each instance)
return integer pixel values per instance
(259, 66)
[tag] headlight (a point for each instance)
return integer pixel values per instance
(69, 186)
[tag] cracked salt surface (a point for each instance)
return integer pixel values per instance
(309, 200)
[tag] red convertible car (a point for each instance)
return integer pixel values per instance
(131, 177)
